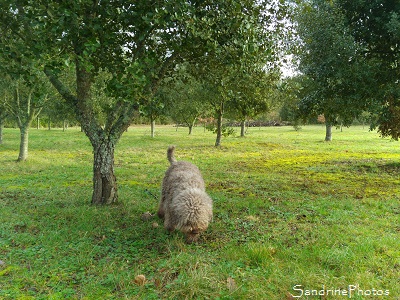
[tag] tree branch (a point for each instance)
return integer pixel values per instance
(60, 87)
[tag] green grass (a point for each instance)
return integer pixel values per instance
(289, 209)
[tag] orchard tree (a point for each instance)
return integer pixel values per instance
(375, 26)
(186, 98)
(23, 101)
(153, 109)
(328, 55)
(291, 92)
(136, 43)
(350, 50)
(232, 85)
(254, 91)
(230, 80)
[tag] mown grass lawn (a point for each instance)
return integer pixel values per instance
(293, 216)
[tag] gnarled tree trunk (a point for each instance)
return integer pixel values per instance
(104, 180)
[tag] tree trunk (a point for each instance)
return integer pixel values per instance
(219, 127)
(23, 146)
(153, 127)
(1, 130)
(191, 125)
(328, 135)
(104, 180)
(243, 128)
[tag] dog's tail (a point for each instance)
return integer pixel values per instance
(170, 154)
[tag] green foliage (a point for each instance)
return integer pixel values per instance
(186, 98)
(350, 51)
(329, 57)
(136, 45)
(288, 209)
(374, 25)
(252, 92)
(225, 129)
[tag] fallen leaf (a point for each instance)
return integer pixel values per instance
(231, 284)
(140, 280)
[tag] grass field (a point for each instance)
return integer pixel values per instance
(293, 217)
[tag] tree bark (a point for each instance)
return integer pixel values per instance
(24, 116)
(328, 132)
(23, 145)
(1, 130)
(243, 128)
(219, 127)
(104, 180)
(191, 125)
(153, 128)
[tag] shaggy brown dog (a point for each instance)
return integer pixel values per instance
(184, 203)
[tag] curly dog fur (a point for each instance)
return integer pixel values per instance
(184, 204)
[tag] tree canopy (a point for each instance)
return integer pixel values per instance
(350, 51)
(136, 44)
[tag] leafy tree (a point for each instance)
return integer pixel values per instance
(226, 86)
(221, 93)
(253, 93)
(375, 26)
(338, 76)
(259, 46)
(137, 44)
(153, 109)
(186, 99)
(24, 103)
(357, 43)
(291, 91)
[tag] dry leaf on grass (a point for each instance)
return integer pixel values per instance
(140, 280)
(231, 284)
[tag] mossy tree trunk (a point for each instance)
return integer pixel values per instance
(104, 180)
(103, 140)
